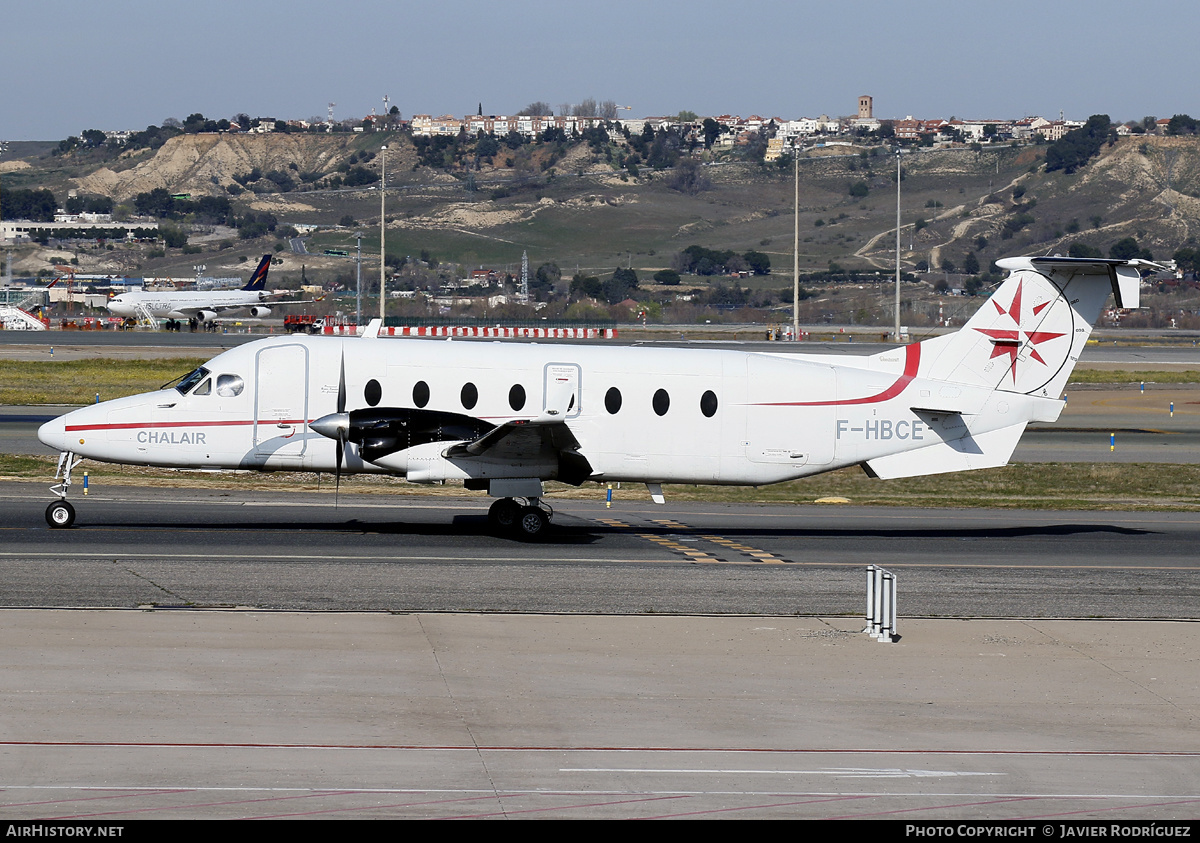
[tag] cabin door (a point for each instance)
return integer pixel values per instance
(281, 401)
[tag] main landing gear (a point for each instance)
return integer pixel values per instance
(526, 518)
(61, 513)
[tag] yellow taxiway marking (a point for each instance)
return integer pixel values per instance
(754, 553)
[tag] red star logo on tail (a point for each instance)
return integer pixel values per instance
(1009, 342)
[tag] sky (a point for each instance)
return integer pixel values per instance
(67, 65)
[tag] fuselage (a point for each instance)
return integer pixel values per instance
(183, 305)
(663, 415)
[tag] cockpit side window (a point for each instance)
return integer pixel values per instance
(204, 388)
(229, 386)
(194, 377)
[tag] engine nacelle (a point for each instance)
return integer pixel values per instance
(260, 311)
(206, 315)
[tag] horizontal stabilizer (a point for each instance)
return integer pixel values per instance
(984, 450)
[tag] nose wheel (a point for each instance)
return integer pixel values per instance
(60, 514)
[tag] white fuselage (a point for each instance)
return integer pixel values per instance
(183, 305)
(661, 415)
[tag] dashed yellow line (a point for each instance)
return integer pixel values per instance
(754, 553)
(665, 542)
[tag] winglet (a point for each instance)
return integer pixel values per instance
(258, 281)
(372, 330)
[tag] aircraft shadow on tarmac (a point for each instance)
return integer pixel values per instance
(582, 533)
(461, 526)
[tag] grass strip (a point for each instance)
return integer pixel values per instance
(1046, 486)
(78, 381)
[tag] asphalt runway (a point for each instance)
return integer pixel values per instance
(137, 547)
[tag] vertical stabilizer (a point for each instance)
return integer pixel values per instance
(258, 281)
(1028, 336)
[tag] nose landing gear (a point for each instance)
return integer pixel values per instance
(60, 513)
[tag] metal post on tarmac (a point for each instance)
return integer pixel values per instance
(881, 605)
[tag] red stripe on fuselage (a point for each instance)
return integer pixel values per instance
(138, 425)
(912, 360)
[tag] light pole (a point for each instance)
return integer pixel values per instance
(358, 276)
(897, 244)
(382, 228)
(796, 249)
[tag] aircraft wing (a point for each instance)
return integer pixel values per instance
(522, 442)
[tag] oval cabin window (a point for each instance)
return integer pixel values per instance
(516, 397)
(662, 402)
(469, 396)
(612, 400)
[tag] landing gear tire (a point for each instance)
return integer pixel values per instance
(533, 523)
(60, 514)
(503, 514)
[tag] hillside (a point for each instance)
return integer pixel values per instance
(568, 205)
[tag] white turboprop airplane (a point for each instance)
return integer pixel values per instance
(506, 417)
(201, 305)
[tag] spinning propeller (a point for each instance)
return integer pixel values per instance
(337, 426)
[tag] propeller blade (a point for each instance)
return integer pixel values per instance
(341, 399)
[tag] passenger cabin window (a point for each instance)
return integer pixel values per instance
(612, 400)
(708, 403)
(372, 392)
(229, 386)
(191, 379)
(420, 393)
(469, 396)
(662, 402)
(516, 397)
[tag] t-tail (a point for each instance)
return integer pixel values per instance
(1028, 336)
(979, 387)
(258, 281)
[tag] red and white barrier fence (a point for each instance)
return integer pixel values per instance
(473, 331)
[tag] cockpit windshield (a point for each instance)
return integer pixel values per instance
(191, 379)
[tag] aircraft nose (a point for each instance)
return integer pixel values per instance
(53, 434)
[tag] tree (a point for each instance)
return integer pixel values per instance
(174, 238)
(621, 286)
(712, 131)
(1182, 124)
(667, 277)
(1078, 146)
(689, 178)
(537, 108)
(757, 262)
(1125, 249)
(587, 108)
(859, 189)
